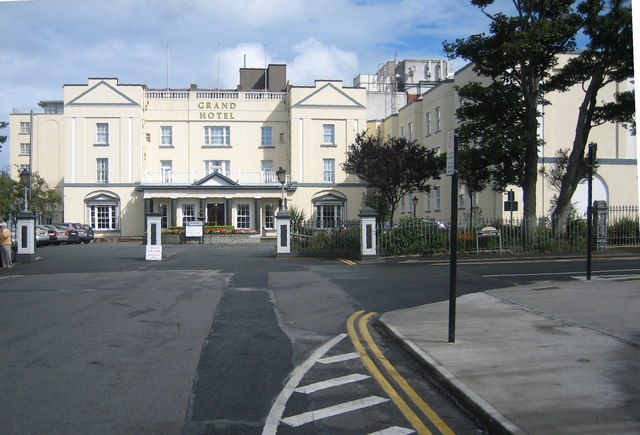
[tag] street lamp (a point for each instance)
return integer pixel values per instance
(282, 177)
(415, 203)
(25, 178)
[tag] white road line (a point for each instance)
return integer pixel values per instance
(319, 414)
(330, 383)
(339, 358)
(275, 414)
(559, 273)
(394, 430)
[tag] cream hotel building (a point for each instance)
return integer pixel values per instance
(117, 151)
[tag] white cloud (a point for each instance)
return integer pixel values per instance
(314, 60)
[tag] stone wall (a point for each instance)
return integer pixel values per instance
(211, 239)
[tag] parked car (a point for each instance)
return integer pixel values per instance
(70, 233)
(85, 232)
(90, 233)
(42, 235)
(54, 236)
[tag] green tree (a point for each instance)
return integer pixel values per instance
(374, 199)
(3, 138)
(10, 199)
(42, 199)
(608, 58)
(517, 57)
(473, 172)
(394, 167)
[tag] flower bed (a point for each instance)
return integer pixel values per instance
(211, 236)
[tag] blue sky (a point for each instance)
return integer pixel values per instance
(45, 44)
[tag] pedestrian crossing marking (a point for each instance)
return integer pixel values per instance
(331, 411)
(330, 383)
(339, 358)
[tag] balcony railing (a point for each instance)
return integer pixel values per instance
(245, 178)
(159, 94)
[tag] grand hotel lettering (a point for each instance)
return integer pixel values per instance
(216, 110)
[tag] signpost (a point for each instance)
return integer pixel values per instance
(452, 155)
(591, 160)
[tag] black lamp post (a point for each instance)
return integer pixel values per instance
(415, 204)
(25, 178)
(282, 178)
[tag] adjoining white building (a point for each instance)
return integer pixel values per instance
(117, 151)
(430, 117)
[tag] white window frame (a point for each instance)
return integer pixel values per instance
(328, 170)
(25, 149)
(102, 170)
(410, 131)
(188, 213)
(427, 124)
(438, 120)
(402, 131)
(102, 133)
(217, 135)
(25, 127)
(269, 216)
(266, 168)
(104, 217)
(438, 197)
(328, 134)
(243, 216)
(166, 136)
(328, 215)
(164, 215)
(266, 136)
(220, 166)
(427, 201)
(166, 169)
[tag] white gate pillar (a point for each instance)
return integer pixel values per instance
(283, 233)
(26, 236)
(368, 246)
(153, 237)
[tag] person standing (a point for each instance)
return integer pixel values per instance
(5, 245)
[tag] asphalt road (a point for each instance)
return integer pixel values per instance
(94, 339)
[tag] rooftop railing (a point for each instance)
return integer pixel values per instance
(159, 94)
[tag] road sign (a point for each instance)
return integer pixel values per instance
(451, 162)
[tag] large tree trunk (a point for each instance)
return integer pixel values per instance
(575, 167)
(531, 96)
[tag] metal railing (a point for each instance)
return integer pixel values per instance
(414, 236)
(343, 239)
(241, 177)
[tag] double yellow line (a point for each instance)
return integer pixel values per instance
(390, 376)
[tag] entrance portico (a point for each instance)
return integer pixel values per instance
(217, 200)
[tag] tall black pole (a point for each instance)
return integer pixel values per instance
(453, 244)
(591, 157)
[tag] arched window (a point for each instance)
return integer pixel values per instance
(329, 210)
(103, 210)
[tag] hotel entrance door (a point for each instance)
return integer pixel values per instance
(215, 214)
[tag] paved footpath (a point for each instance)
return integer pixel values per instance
(559, 357)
